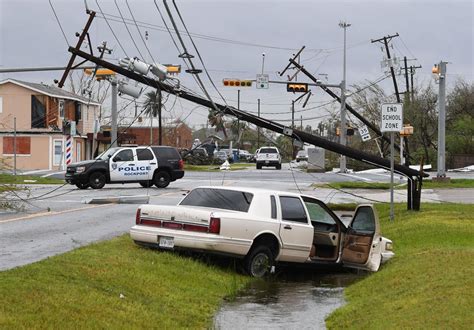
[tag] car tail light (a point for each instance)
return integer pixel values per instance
(181, 164)
(215, 225)
(153, 223)
(137, 216)
(172, 225)
(195, 228)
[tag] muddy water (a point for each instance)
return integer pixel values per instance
(292, 301)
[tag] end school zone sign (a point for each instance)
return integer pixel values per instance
(392, 117)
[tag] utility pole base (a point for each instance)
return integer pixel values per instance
(441, 179)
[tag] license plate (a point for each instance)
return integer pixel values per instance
(166, 242)
(266, 162)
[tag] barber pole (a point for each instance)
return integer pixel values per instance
(68, 150)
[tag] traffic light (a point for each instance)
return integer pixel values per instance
(297, 87)
(173, 68)
(349, 131)
(100, 74)
(237, 83)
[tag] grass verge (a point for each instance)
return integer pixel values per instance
(429, 284)
(20, 179)
(427, 184)
(83, 288)
(215, 168)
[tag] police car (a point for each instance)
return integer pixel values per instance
(156, 165)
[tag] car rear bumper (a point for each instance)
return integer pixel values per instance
(268, 162)
(191, 240)
(175, 175)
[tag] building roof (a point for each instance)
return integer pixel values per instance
(51, 91)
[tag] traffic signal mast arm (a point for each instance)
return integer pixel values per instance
(413, 175)
(348, 107)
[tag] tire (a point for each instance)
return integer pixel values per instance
(278, 167)
(146, 184)
(259, 261)
(97, 180)
(162, 179)
(81, 185)
(259, 166)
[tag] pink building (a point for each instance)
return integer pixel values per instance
(41, 111)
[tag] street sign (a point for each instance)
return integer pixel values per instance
(262, 81)
(392, 117)
(364, 133)
(392, 121)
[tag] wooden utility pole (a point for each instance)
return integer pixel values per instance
(386, 40)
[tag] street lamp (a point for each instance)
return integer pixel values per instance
(342, 166)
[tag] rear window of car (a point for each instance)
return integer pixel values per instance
(219, 199)
(268, 151)
(167, 153)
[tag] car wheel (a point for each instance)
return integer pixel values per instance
(146, 184)
(162, 179)
(278, 167)
(81, 185)
(97, 180)
(259, 261)
(259, 167)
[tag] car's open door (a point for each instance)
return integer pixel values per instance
(362, 241)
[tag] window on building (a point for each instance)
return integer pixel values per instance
(78, 112)
(61, 109)
(38, 113)
(1, 104)
(58, 152)
(23, 145)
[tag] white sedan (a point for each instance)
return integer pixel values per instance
(264, 227)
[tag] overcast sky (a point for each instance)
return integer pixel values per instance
(430, 31)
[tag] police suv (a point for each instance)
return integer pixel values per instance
(148, 166)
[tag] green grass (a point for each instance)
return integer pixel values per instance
(430, 282)
(427, 184)
(20, 179)
(82, 288)
(215, 168)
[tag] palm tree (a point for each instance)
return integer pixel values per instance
(152, 107)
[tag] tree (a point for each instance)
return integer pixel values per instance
(460, 119)
(216, 119)
(152, 107)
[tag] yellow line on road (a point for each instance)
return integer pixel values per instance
(42, 214)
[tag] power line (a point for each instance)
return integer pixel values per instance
(111, 30)
(59, 23)
(139, 32)
(197, 52)
(208, 37)
(128, 30)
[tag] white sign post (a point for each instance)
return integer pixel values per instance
(262, 81)
(392, 121)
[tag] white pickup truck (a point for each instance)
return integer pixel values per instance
(263, 227)
(268, 156)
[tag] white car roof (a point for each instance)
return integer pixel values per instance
(253, 190)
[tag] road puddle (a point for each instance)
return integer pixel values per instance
(290, 301)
